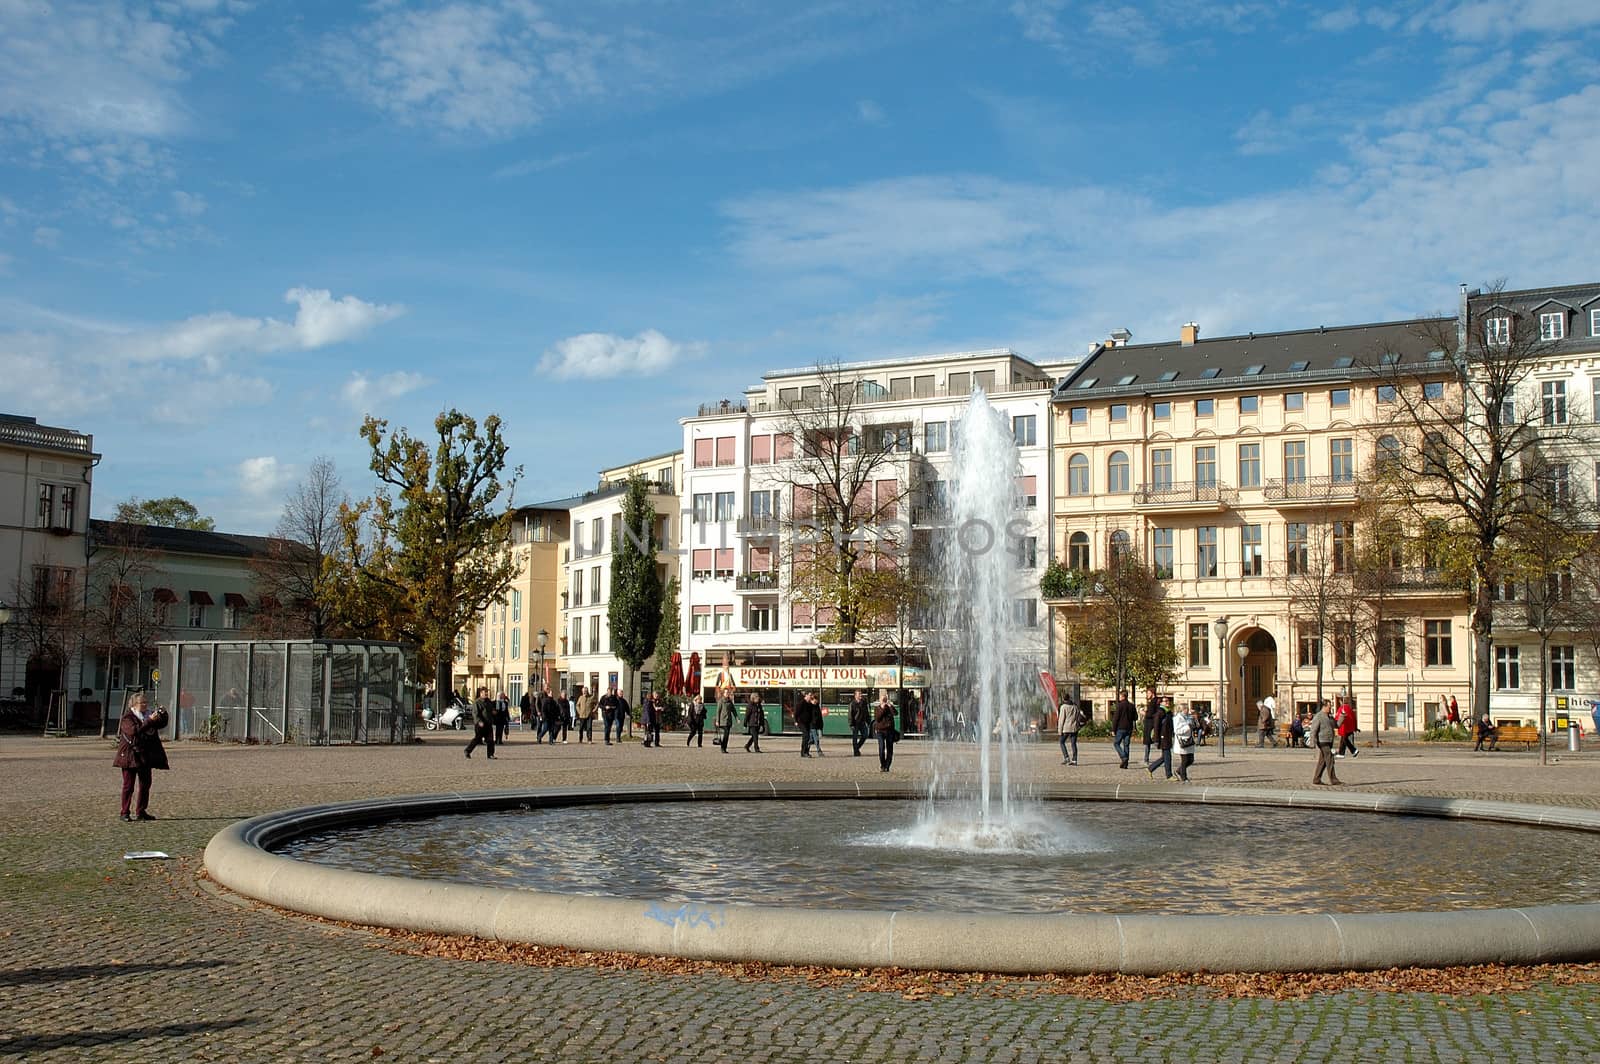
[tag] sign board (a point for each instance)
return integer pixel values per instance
(811, 676)
(155, 675)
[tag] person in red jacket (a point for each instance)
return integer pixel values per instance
(1347, 728)
(139, 750)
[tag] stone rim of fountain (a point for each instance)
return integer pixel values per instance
(239, 859)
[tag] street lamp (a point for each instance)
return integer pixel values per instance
(1220, 626)
(544, 637)
(1243, 650)
(5, 619)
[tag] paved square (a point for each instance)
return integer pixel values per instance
(105, 959)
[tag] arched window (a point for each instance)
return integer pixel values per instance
(1078, 475)
(1117, 472)
(1078, 552)
(1388, 455)
(1121, 546)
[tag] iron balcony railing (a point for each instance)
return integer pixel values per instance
(1310, 489)
(1182, 493)
(756, 582)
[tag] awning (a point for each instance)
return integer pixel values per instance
(200, 598)
(234, 600)
(163, 594)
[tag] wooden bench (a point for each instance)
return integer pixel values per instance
(1514, 733)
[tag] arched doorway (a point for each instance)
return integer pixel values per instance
(42, 678)
(1254, 673)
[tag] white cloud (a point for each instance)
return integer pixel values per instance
(263, 476)
(319, 321)
(47, 237)
(596, 355)
(188, 204)
(536, 166)
(1094, 35)
(870, 112)
(363, 392)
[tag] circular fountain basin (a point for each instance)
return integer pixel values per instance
(1100, 885)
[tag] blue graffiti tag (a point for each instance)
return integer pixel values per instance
(688, 916)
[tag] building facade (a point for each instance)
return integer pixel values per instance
(515, 641)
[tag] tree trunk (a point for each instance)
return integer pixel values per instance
(1482, 649)
(1544, 683)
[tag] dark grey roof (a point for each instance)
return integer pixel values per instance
(23, 431)
(1572, 297)
(1254, 360)
(190, 541)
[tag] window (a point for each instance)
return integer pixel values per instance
(594, 585)
(1344, 643)
(516, 605)
(760, 453)
(1342, 460)
(1339, 397)
(1025, 430)
(700, 622)
(935, 437)
(1078, 415)
(1078, 552)
(1497, 331)
(1386, 393)
(577, 635)
(1161, 552)
(1294, 461)
(1162, 411)
(1078, 475)
(1250, 549)
(725, 450)
(724, 506)
(577, 587)
(1435, 453)
(1121, 546)
(1388, 456)
(1161, 467)
(1558, 482)
(762, 618)
(1205, 554)
(1508, 411)
(922, 386)
(664, 478)
(1117, 472)
(1344, 541)
(1249, 465)
(1027, 552)
(1024, 613)
(1296, 543)
(1594, 322)
(1199, 645)
(1294, 400)
(1392, 643)
(1119, 411)
(1249, 404)
(1553, 325)
(722, 619)
(69, 506)
(47, 505)
(722, 564)
(1310, 646)
(594, 635)
(1436, 639)
(197, 614)
(1204, 407)
(516, 643)
(1027, 496)
(1563, 668)
(700, 561)
(1205, 466)
(1433, 389)
(704, 453)
(763, 509)
(899, 387)
(597, 538)
(1553, 402)
(1507, 668)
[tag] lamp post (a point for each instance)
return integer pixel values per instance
(1243, 650)
(1220, 626)
(544, 637)
(5, 619)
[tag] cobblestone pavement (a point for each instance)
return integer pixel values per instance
(106, 959)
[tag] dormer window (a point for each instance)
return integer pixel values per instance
(1497, 330)
(1553, 325)
(1594, 322)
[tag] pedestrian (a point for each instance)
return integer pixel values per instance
(802, 723)
(1297, 731)
(585, 711)
(483, 713)
(817, 717)
(550, 714)
(755, 722)
(502, 717)
(1067, 724)
(653, 711)
(1186, 737)
(1453, 715)
(724, 720)
(608, 711)
(624, 716)
(697, 722)
(1487, 733)
(860, 723)
(1160, 736)
(525, 704)
(1346, 723)
(883, 724)
(1266, 723)
(139, 751)
(1323, 733)
(1152, 714)
(1124, 716)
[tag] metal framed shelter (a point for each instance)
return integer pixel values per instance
(312, 692)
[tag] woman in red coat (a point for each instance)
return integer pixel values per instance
(139, 750)
(1347, 729)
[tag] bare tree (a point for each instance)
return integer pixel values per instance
(47, 621)
(293, 579)
(1375, 616)
(1454, 446)
(123, 622)
(1318, 586)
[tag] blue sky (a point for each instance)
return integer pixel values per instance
(228, 230)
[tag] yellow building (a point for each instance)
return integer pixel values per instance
(504, 651)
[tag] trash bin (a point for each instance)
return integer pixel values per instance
(1574, 741)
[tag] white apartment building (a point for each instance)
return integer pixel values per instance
(737, 609)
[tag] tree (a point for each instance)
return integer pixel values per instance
(293, 579)
(899, 599)
(170, 512)
(845, 478)
(1319, 588)
(671, 629)
(1124, 639)
(1372, 603)
(429, 550)
(634, 612)
(1456, 438)
(122, 619)
(47, 619)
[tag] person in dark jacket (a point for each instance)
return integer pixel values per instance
(697, 722)
(502, 717)
(608, 713)
(1123, 718)
(1152, 713)
(139, 751)
(564, 723)
(883, 724)
(755, 722)
(802, 723)
(483, 714)
(1160, 736)
(550, 714)
(726, 712)
(860, 722)
(525, 704)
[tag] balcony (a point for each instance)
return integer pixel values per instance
(1191, 495)
(923, 516)
(756, 582)
(1310, 491)
(723, 406)
(760, 525)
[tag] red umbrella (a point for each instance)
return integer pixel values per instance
(694, 672)
(675, 674)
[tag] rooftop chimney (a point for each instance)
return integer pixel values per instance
(1191, 333)
(1119, 338)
